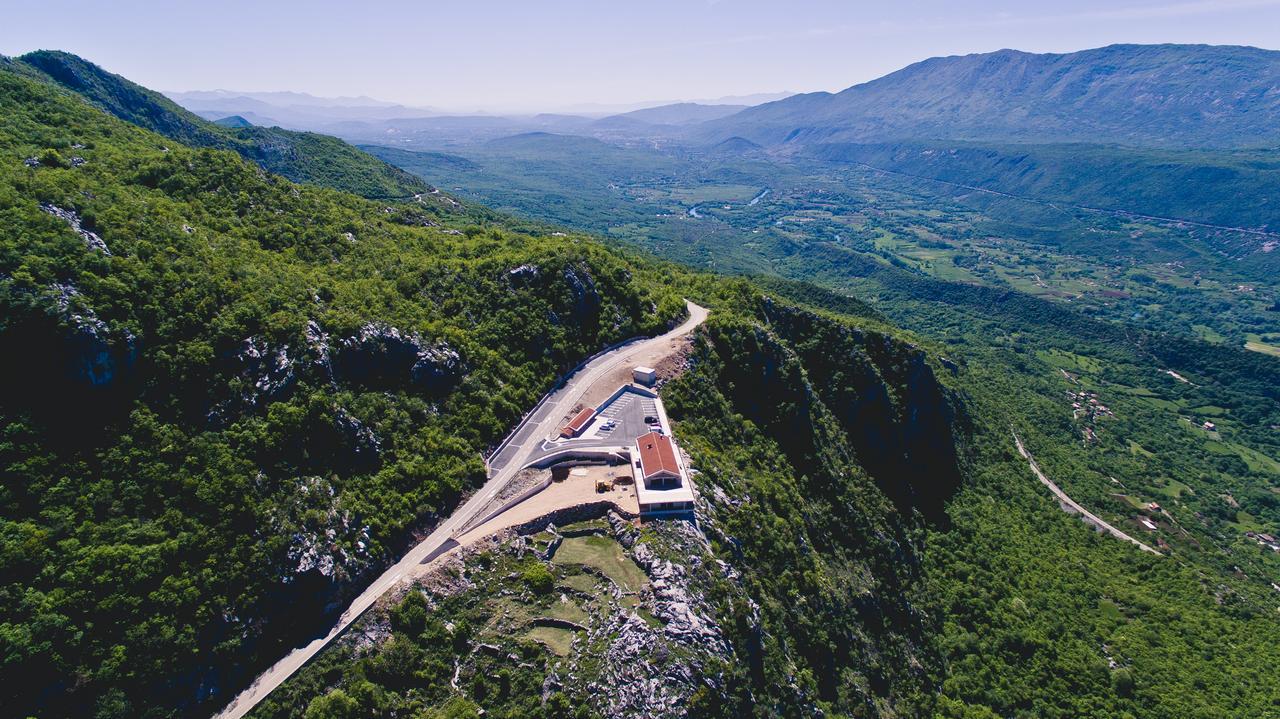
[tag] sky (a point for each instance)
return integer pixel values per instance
(555, 55)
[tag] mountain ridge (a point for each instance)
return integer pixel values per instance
(1156, 95)
(298, 156)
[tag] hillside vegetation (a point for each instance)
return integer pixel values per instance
(228, 399)
(804, 576)
(1219, 188)
(1179, 131)
(299, 156)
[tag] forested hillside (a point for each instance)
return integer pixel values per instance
(227, 398)
(1218, 188)
(1177, 131)
(799, 594)
(299, 156)
(829, 587)
(1040, 616)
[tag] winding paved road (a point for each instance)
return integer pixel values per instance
(503, 466)
(1068, 502)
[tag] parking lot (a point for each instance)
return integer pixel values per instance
(627, 413)
(617, 425)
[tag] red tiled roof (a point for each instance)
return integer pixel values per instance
(578, 422)
(657, 454)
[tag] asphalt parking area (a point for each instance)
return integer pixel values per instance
(627, 414)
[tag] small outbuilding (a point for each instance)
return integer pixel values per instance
(578, 423)
(644, 375)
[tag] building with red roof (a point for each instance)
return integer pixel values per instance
(658, 465)
(578, 423)
(662, 487)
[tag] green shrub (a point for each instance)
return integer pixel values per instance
(539, 578)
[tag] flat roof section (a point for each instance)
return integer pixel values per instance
(644, 375)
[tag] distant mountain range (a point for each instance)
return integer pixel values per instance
(1142, 95)
(682, 113)
(363, 119)
(294, 110)
(1186, 132)
(1108, 127)
(1148, 96)
(285, 98)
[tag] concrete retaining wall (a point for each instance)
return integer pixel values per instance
(585, 455)
(476, 522)
(569, 515)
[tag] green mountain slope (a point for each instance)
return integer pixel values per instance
(680, 113)
(232, 121)
(1144, 95)
(229, 399)
(805, 586)
(1110, 127)
(232, 400)
(299, 156)
(1037, 615)
(833, 603)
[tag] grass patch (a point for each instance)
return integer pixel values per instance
(1263, 347)
(1208, 334)
(558, 641)
(568, 611)
(1138, 450)
(604, 555)
(585, 583)
(1219, 447)
(1256, 460)
(1246, 522)
(1069, 361)
(1136, 391)
(1132, 501)
(1158, 402)
(586, 526)
(513, 611)
(1174, 489)
(648, 617)
(1110, 610)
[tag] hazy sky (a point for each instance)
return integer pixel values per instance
(550, 54)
